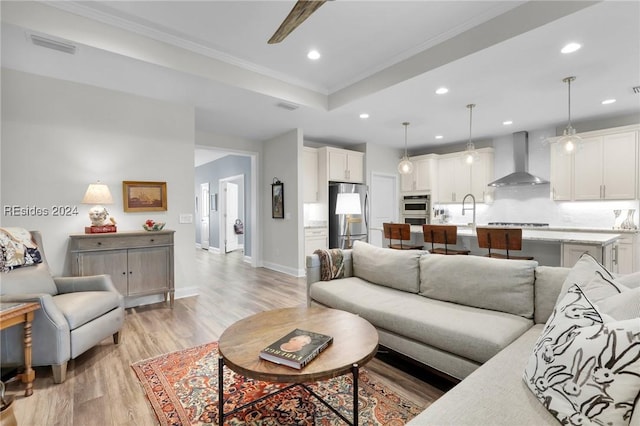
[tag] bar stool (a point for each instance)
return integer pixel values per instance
(501, 239)
(442, 234)
(400, 232)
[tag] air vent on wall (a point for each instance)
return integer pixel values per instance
(287, 106)
(636, 89)
(51, 43)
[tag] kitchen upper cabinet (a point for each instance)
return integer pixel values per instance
(345, 165)
(602, 168)
(456, 178)
(310, 174)
(561, 174)
(424, 175)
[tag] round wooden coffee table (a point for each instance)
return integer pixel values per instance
(355, 342)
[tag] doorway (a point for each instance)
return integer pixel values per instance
(384, 205)
(204, 216)
(232, 212)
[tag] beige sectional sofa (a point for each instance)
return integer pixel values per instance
(474, 318)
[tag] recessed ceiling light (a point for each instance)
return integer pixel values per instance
(608, 101)
(442, 91)
(570, 48)
(313, 55)
(364, 115)
(439, 136)
(507, 123)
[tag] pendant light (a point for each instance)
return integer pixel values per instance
(470, 154)
(569, 140)
(405, 167)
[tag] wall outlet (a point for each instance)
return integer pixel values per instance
(186, 218)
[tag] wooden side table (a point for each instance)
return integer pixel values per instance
(17, 313)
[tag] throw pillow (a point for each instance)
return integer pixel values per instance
(629, 280)
(581, 273)
(600, 287)
(17, 249)
(585, 370)
(625, 305)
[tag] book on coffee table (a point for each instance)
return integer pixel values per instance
(297, 348)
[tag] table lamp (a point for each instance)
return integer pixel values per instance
(349, 204)
(98, 194)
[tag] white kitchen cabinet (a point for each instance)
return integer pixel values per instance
(345, 165)
(310, 174)
(603, 254)
(561, 174)
(424, 175)
(314, 239)
(456, 178)
(602, 168)
(627, 253)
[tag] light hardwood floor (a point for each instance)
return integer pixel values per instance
(101, 388)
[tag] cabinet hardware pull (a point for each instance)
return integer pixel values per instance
(99, 243)
(152, 240)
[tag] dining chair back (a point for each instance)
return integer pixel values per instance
(400, 232)
(442, 234)
(506, 239)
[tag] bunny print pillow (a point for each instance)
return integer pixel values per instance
(585, 366)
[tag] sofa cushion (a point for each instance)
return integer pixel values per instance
(584, 369)
(497, 284)
(493, 395)
(82, 307)
(473, 333)
(397, 269)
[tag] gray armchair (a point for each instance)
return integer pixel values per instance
(76, 314)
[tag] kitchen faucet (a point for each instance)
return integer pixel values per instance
(473, 224)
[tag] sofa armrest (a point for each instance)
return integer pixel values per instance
(313, 269)
(47, 306)
(88, 283)
(50, 331)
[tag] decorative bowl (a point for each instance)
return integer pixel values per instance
(156, 226)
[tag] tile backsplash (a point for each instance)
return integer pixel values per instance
(532, 204)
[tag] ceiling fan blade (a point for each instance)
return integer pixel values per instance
(300, 12)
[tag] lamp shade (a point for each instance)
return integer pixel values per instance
(348, 203)
(97, 193)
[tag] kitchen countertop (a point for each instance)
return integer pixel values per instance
(549, 235)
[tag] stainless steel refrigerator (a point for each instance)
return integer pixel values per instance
(359, 223)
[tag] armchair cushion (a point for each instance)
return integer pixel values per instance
(81, 307)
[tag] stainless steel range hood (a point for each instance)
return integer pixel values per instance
(521, 160)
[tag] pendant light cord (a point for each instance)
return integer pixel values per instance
(405, 124)
(470, 106)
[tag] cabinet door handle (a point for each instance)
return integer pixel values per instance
(124, 273)
(99, 243)
(152, 240)
(604, 191)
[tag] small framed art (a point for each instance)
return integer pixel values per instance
(144, 196)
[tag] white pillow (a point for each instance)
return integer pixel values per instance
(582, 272)
(585, 370)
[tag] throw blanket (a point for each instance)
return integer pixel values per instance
(331, 264)
(17, 249)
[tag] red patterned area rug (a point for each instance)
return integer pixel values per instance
(182, 389)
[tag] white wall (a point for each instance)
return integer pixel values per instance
(283, 239)
(57, 137)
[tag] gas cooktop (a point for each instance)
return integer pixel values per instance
(522, 224)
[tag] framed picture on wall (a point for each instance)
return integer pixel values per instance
(277, 200)
(144, 196)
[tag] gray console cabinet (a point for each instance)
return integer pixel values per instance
(140, 263)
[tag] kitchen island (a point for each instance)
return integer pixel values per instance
(548, 246)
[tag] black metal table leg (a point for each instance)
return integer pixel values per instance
(220, 391)
(355, 371)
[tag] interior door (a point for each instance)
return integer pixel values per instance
(204, 215)
(384, 205)
(231, 214)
